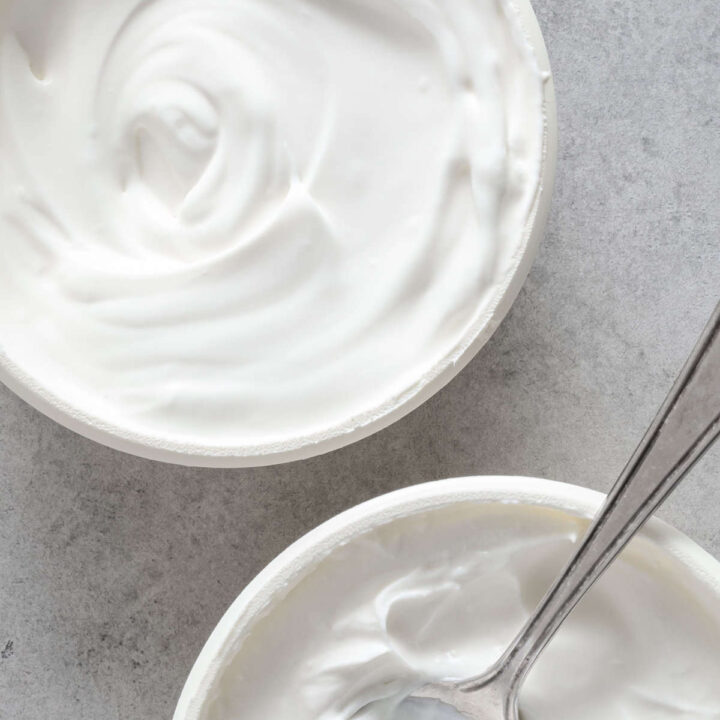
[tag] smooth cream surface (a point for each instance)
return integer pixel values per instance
(254, 224)
(440, 595)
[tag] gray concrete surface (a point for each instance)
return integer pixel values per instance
(113, 570)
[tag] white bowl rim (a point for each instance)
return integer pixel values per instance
(290, 564)
(200, 455)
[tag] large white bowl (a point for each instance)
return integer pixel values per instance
(272, 584)
(24, 386)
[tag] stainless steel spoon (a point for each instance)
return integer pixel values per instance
(686, 425)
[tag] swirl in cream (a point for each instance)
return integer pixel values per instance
(247, 225)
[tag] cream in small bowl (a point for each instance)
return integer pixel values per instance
(432, 582)
(239, 232)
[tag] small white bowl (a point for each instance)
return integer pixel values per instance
(700, 576)
(44, 400)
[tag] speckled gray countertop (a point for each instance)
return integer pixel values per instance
(113, 570)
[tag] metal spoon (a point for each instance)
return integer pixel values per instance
(684, 428)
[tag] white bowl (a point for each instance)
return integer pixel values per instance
(59, 410)
(700, 577)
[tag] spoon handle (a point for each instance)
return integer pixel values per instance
(684, 428)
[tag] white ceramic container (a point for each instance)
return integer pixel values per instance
(222, 454)
(686, 568)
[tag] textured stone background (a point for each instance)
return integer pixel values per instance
(113, 570)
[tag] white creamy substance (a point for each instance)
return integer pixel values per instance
(255, 224)
(440, 595)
